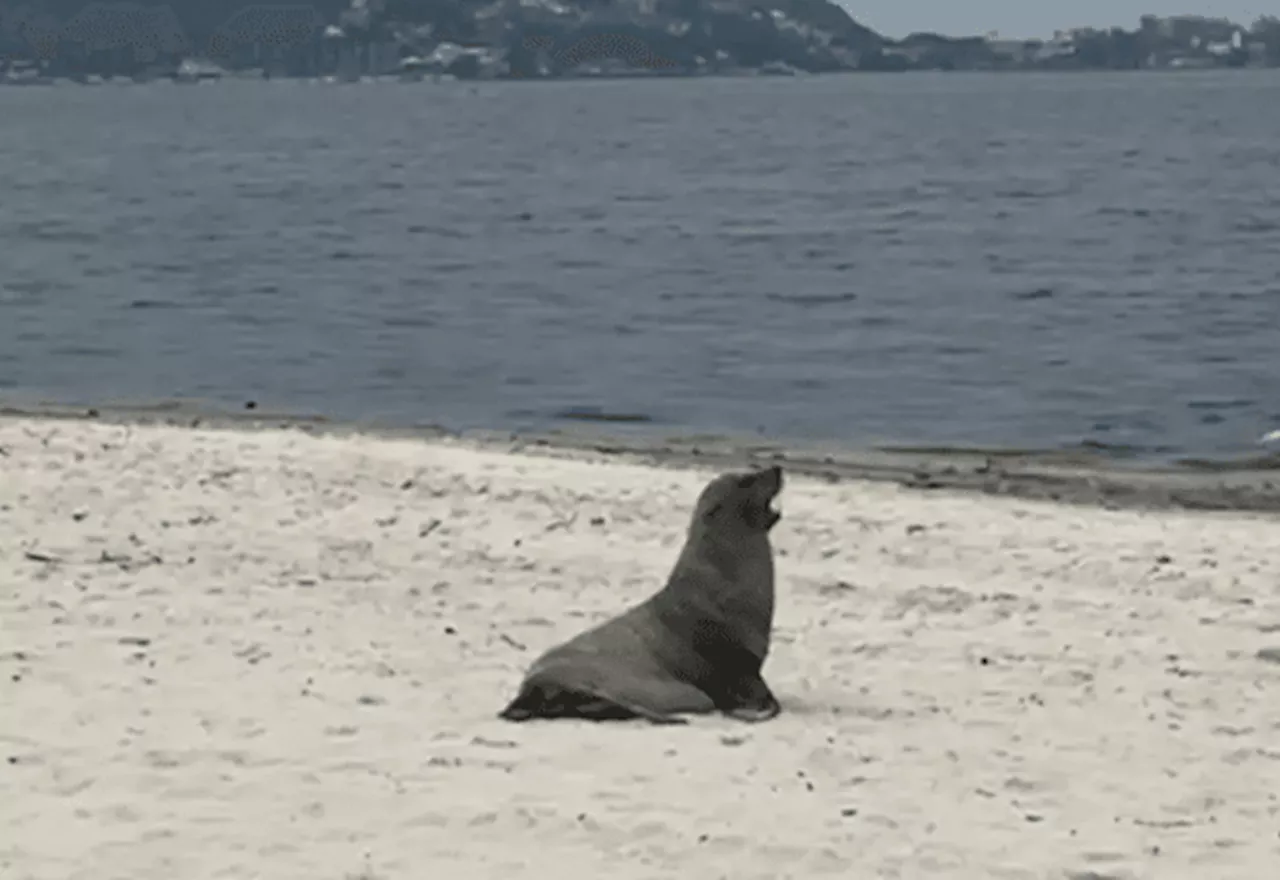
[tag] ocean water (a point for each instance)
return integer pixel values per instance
(1030, 261)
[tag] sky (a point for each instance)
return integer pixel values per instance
(1016, 19)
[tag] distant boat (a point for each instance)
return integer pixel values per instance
(26, 80)
(193, 70)
(778, 68)
(414, 68)
(25, 76)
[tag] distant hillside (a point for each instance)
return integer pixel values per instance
(41, 39)
(529, 37)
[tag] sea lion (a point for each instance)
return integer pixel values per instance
(697, 645)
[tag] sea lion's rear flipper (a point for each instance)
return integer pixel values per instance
(621, 696)
(657, 698)
(553, 701)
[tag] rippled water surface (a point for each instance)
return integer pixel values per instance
(1027, 260)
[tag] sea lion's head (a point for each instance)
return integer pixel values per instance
(740, 500)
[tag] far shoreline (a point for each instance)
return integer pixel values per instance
(626, 76)
(1081, 476)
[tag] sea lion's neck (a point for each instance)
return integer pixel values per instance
(740, 569)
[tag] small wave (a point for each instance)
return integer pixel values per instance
(1269, 462)
(452, 268)
(1038, 293)
(1237, 403)
(1255, 224)
(86, 351)
(572, 263)
(1022, 193)
(408, 321)
(812, 299)
(596, 414)
(1125, 450)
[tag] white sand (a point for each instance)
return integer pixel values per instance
(331, 624)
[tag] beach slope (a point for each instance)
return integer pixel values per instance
(263, 653)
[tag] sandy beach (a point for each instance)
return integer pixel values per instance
(270, 654)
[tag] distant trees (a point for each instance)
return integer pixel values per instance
(64, 30)
(123, 36)
(1113, 49)
(452, 20)
(1267, 31)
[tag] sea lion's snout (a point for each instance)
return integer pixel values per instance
(772, 478)
(775, 481)
(745, 497)
(764, 480)
(764, 486)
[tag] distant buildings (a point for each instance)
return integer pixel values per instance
(1174, 42)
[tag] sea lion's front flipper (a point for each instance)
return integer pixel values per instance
(751, 700)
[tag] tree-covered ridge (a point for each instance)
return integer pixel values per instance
(564, 37)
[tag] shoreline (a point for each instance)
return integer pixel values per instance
(1081, 477)
(637, 74)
